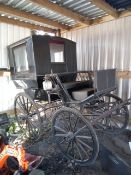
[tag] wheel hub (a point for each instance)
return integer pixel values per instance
(70, 136)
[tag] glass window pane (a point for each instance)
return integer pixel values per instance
(21, 61)
(57, 52)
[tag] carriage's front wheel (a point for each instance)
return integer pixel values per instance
(74, 136)
(27, 116)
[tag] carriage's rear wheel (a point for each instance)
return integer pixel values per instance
(74, 136)
(27, 116)
(113, 123)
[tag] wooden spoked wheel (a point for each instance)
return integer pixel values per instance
(114, 122)
(74, 136)
(27, 116)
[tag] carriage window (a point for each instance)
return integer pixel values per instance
(20, 56)
(57, 52)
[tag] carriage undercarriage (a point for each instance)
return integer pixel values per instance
(74, 124)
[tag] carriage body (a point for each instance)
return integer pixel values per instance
(33, 57)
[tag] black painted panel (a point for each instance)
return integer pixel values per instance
(38, 54)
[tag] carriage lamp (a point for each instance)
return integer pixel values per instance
(47, 85)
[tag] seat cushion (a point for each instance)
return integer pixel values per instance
(82, 94)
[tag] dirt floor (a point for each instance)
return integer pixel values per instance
(55, 164)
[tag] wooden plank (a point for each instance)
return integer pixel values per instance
(9, 112)
(4, 19)
(61, 10)
(29, 16)
(124, 74)
(4, 73)
(119, 74)
(105, 7)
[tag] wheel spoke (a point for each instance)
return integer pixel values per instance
(21, 103)
(84, 144)
(30, 107)
(70, 122)
(72, 149)
(80, 130)
(24, 103)
(21, 107)
(116, 124)
(75, 124)
(62, 141)
(68, 146)
(66, 124)
(84, 151)
(60, 135)
(110, 125)
(83, 137)
(101, 126)
(119, 120)
(18, 107)
(60, 129)
(78, 151)
(27, 105)
(32, 128)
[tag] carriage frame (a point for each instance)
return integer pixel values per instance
(74, 122)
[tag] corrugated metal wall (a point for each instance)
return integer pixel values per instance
(8, 35)
(106, 45)
(102, 46)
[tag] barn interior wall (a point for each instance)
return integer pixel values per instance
(8, 34)
(106, 45)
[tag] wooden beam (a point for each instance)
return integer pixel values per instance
(4, 73)
(29, 16)
(110, 18)
(101, 20)
(105, 7)
(125, 13)
(24, 24)
(124, 74)
(61, 10)
(9, 112)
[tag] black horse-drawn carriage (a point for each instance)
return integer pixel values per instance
(75, 104)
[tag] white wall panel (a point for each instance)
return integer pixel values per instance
(106, 45)
(8, 34)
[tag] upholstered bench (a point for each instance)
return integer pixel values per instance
(82, 93)
(70, 82)
(79, 88)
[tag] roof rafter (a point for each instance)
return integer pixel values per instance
(102, 20)
(105, 7)
(61, 10)
(29, 16)
(110, 18)
(4, 19)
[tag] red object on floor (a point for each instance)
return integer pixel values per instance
(14, 158)
(16, 152)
